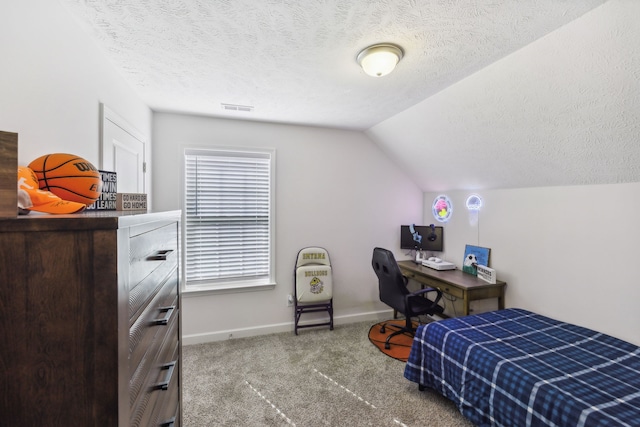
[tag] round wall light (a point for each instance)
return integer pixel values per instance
(442, 208)
(474, 202)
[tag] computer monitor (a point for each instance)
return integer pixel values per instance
(422, 237)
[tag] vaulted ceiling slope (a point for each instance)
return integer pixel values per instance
(293, 61)
(564, 110)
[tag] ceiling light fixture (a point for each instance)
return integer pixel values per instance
(380, 59)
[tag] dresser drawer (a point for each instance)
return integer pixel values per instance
(161, 387)
(146, 373)
(172, 418)
(167, 409)
(141, 294)
(434, 283)
(450, 290)
(149, 329)
(150, 250)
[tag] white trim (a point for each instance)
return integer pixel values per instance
(373, 316)
(194, 291)
(107, 113)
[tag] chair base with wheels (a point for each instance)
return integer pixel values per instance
(408, 326)
(313, 290)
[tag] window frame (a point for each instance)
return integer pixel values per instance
(235, 285)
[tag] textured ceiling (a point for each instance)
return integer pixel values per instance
(293, 61)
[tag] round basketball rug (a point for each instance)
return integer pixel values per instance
(400, 344)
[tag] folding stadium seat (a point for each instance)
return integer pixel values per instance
(313, 286)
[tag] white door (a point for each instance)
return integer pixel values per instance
(123, 152)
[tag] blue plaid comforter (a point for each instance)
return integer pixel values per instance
(516, 368)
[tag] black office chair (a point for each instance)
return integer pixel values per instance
(394, 293)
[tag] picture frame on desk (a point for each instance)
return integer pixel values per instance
(474, 255)
(107, 200)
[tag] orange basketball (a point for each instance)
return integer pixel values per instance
(68, 176)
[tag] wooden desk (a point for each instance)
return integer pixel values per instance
(455, 283)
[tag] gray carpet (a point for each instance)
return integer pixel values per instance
(318, 378)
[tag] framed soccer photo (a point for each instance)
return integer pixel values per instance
(474, 255)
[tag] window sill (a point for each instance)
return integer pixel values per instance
(231, 288)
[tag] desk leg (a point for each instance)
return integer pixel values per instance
(465, 308)
(501, 299)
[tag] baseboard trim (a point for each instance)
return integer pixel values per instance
(192, 339)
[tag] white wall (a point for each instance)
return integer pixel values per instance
(565, 252)
(334, 188)
(52, 81)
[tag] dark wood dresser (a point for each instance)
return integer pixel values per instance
(90, 320)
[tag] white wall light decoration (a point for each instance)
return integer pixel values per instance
(442, 208)
(474, 203)
(380, 59)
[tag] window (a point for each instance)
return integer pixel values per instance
(229, 219)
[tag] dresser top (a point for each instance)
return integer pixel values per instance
(84, 220)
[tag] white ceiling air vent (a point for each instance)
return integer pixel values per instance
(236, 107)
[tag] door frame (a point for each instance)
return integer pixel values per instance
(106, 151)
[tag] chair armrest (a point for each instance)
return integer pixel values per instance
(425, 291)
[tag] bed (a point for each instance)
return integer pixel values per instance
(513, 367)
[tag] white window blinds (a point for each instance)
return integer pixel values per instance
(228, 216)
